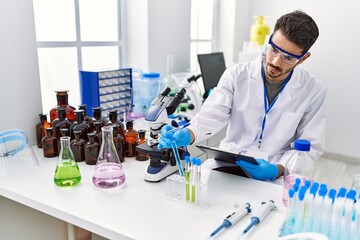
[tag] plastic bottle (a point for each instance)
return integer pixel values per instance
(259, 30)
(149, 89)
(67, 172)
(300, 165)
(109, 172)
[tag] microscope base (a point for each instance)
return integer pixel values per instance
(165, 170)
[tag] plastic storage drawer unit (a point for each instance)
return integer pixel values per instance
(110, 90)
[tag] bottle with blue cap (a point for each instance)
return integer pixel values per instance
(300, 165)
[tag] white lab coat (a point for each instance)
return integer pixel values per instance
(238, 100)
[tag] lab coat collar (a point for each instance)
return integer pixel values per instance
(258, 87)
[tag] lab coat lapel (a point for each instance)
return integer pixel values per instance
(257, 86)
(286, 95)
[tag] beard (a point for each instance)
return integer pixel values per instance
(276, 74)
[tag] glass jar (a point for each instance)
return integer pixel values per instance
(62, 102)
(140, 155)
(131, 136)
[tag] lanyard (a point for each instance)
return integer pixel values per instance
(268, 108)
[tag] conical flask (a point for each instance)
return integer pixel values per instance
(67, 172)
(108, 170)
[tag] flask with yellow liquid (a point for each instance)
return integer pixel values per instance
(259, 30)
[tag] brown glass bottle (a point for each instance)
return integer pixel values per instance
(77, 147)
(98, 134)
(64, 133)
(97, 113)
(62, 102)
(91, 150)
(113, 119)
(119, 142)
(49, 143)
(140, 155)
(87, 117)
(79, 125)
(131, 136)
(40, 129)
(60, 122)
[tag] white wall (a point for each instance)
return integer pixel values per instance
(157, 28)
(334, 60)
(20, 96)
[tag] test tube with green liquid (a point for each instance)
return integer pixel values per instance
(187, 177)
(193, 180)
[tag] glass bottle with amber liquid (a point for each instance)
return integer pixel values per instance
(60, 122)
(41, 129)
(62, 102)
(49, 143)
(131, 136)
(91, 149)
(119, 142)
(97, 113)
(98, 134)
(79, 125)
(140, 155)
(87, 117)
(113, 119)
(77, 147)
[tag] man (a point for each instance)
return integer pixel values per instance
(267, 103)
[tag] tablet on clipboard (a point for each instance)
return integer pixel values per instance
(222, 155)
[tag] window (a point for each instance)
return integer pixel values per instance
(202, 29)
(75, 35)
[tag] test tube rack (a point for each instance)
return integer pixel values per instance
(177, 186)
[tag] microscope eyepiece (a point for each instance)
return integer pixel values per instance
(166, 91)
(170, 109)
(180, 94)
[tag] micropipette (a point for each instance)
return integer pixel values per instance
(233, 218)
(259, 215)
(179, 128)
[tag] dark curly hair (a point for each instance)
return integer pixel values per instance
(299, 28)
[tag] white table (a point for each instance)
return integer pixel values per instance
(140, 210)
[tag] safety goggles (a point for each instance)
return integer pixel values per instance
(285, 56)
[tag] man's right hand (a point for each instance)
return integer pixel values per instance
(181, 137)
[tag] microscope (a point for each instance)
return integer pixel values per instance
(162, 162)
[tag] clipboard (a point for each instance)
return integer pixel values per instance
(222, 155)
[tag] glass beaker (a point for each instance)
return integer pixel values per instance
(67, 172)
(109, 172)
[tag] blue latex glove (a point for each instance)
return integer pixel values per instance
(263, 171)
(181, 137)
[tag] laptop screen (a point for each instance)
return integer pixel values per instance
(212, 66)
